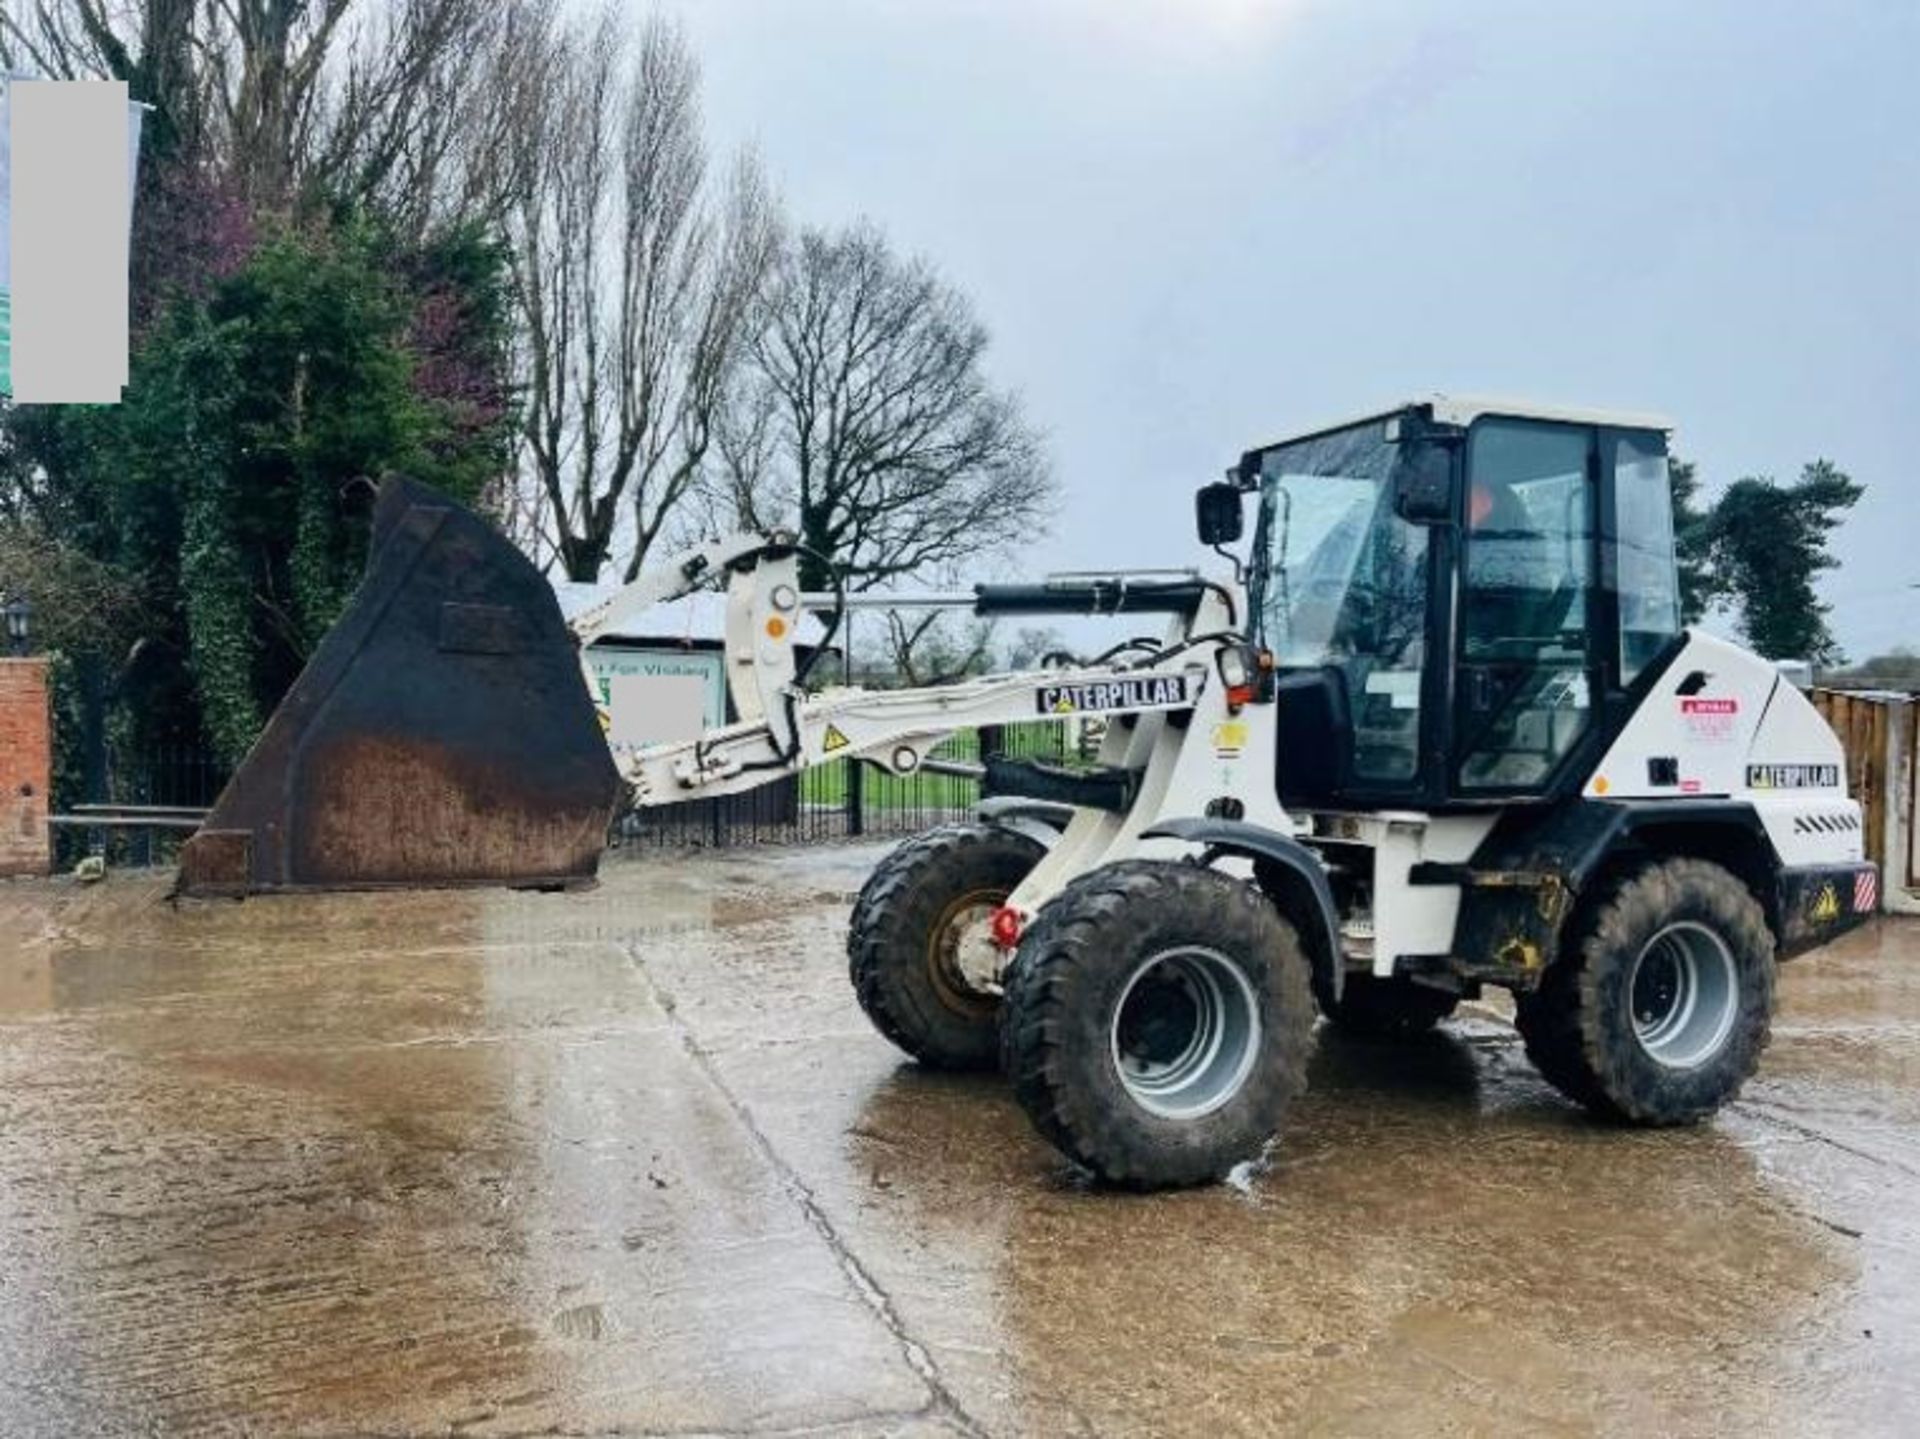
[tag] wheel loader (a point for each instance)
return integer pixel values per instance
(1436, 728)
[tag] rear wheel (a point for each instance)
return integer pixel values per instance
(919, 946)
(1661, 1001)
(1376, 1008)
(1157, 1023)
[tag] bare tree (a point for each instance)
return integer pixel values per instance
(395, 102)
(637, 288)
(417, 115)
(1036, 645)
(871, 422)
(927, 650)
(517, 506)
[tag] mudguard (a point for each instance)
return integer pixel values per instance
(1288, 870)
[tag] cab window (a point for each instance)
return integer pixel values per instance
(1525, 697)
(1649, 582)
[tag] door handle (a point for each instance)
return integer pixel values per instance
(1480, 690)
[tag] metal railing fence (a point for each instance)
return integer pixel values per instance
(155, 798)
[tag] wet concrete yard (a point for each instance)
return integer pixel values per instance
(632, 1161)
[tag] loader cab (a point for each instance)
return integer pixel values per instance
(1464, 599)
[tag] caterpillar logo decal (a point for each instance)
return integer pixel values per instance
(1793, 776)
(1135, 692)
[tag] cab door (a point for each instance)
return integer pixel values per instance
(1527, 663)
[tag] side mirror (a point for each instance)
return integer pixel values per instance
(1423, 483)
(1216, 510)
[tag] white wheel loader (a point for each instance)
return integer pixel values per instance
(1439, 729)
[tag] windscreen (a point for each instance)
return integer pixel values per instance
(1342, 582)
(1341, 572)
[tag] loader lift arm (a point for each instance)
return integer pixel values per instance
(893, 727)
(1194, 731)
(782, 729)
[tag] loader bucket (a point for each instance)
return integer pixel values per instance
(441, 734)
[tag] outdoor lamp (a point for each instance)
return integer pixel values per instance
(19, 617)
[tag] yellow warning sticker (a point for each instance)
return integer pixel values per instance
(1827, 906)
(1229, 738)
(833, 740)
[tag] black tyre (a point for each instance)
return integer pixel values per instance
(914, 943)
(1157, 1022)
(1661, 1001)
(1374, 1008)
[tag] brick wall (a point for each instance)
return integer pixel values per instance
(26, 767)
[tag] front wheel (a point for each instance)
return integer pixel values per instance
(1661, 1001)
(1157, 1023)
(919, 948)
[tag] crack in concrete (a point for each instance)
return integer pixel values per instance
(946, 1405)
(1769, 1114)
(858, 1424)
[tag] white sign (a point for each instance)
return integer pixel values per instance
(657, 696)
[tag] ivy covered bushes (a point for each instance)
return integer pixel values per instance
(236, 476)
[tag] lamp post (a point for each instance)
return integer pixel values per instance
(18, 614)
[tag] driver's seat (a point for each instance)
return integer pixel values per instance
(1509, 615)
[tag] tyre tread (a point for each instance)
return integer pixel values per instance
(1561, 1022)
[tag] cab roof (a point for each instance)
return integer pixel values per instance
(1465, 409)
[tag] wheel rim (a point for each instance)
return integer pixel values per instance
(961, 958)
(1185, 1032)
(1685, 994)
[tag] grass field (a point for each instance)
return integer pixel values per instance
(827, 784)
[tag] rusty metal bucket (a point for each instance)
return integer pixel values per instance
(441, 735)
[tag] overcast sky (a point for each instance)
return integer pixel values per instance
(1201, 224)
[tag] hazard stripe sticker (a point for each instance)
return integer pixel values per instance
(1866, 891)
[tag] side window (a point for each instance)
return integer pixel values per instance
(1649, 581)
(1525, 699)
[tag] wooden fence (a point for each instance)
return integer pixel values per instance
(1863, 722)
(1878, 732)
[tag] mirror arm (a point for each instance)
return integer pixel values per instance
(1239, 570)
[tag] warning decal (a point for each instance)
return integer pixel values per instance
(1711, 721)
(833, 740)
(1229, 738)
(1866, 891)
(1826, 907)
